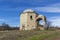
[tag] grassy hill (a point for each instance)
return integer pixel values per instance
(29, 35)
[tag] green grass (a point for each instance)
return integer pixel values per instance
(29, 35)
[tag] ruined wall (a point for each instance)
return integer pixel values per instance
(29, 20)
(23, 21)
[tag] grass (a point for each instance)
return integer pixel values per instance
(29, 35)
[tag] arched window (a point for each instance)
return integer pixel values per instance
(31, 17)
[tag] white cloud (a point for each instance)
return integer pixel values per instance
(48, 9)
(55, 20)
(2, 20)
(54, 5)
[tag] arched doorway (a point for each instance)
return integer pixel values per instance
(41, 21)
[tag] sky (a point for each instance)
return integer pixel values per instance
(11, 9)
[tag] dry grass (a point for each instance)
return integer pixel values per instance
(29, 35)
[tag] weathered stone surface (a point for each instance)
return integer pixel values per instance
(29, 20)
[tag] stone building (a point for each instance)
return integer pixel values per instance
(29, 20)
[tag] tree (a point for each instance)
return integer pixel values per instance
(48, 24)
(5, 26)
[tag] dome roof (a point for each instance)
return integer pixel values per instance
(40, 15)
(28, 10)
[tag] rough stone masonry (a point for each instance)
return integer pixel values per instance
(29, 20)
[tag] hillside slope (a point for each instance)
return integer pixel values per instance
(30, 35)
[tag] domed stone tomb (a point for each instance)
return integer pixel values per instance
(29, 20)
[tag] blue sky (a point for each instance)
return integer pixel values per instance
(10, 10)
